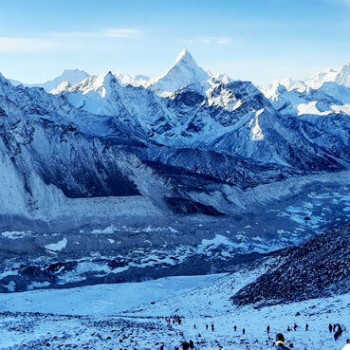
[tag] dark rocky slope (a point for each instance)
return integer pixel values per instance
(318, 268)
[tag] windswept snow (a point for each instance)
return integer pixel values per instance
(101, 299)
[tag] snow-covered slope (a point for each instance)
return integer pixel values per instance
(85, 317)
(137, 80)
(47, 155)
(325, 93)
(330, 98)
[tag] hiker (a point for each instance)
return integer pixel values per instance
(306, 327)
(280, 342)
(212, 327)
(243, 331)
(268, 329)
(235, 328)
(206, 327)
(338, 333)
(185, 345)
(347, 345)
(295, 327)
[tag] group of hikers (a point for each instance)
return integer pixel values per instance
(279, 343)
(336, 329)
(289, 328)
(173, 320)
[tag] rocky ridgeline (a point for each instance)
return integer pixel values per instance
(318, 268)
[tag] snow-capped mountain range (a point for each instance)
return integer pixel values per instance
(127, 152)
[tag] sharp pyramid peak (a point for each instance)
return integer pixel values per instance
(105, 78)
(184, 56)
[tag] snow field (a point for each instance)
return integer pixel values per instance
(133, 314)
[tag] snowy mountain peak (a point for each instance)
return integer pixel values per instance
(184, 73)
(186, 60)
(99, 83)
(73, 72)
(340, 76)
(72, 76)
(106, 78)
(184, 56)
(343, 76)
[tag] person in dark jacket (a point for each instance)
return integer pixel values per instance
(280, 342)
(338, 333)
(185, 345)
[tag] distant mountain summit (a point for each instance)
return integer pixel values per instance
(70, 76)
(341, 77)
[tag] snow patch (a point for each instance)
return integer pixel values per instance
(60, 245)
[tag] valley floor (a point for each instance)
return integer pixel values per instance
(133, 316)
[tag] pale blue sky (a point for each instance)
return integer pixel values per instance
(255, 40)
